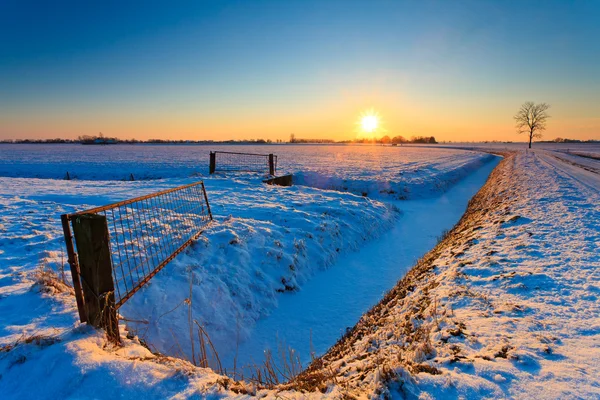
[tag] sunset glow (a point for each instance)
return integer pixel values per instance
(218, 71)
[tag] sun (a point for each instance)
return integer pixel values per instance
(369, 123)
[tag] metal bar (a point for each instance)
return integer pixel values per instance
(72, 258)
(206, 199)
(241, 154)
(125, 202)
(157, 270)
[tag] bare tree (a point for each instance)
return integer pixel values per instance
(531, 119)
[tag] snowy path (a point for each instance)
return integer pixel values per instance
(336, 298)
(584, 170)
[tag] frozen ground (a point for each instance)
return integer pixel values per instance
(397, 172)
(526, 291)
(265, 240)
(506, 307)
(328, 305)
(520, 265)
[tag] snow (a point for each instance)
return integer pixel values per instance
(534, 283)
(506, 307)
(265, 239)
(513, 301)
(325, 307)
(278, 239)
(399, 172)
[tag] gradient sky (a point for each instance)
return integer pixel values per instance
(458, 70)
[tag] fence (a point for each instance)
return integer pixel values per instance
(121, 246)
(242, 162)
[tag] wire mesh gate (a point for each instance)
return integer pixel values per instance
(242, 162)
(121, 246)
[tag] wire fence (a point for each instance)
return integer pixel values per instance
(145, 233)
(242, 162)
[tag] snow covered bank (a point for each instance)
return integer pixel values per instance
(409, 186)
(506, 306)
(401, 181)
(266, 240)
(313, 319)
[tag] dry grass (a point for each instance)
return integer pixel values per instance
(37, 340)
(50, 282)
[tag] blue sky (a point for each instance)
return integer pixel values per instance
(206, 70)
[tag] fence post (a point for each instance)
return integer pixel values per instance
(72, 258)
(271, 164)
(91, 235)
(213, 163)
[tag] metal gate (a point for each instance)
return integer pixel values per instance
(116, 249)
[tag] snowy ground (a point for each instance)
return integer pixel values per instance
(265, 241)
(510, 309)
(506, 307)
(526, 290)
(334, 302)
(396, 172)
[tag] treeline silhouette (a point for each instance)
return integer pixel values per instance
(394, 140)
(85, 139)
(101, 139)
(383, 140)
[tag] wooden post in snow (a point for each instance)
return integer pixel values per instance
(213, 163)
(271, 164)
(93, 246)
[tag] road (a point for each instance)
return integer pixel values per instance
(582, 169)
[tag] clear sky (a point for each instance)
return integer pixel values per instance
(458, 70)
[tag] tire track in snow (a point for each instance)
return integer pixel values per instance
(577, 172)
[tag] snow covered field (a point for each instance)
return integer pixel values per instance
(270, 245)
(397, 172)
(266, 240)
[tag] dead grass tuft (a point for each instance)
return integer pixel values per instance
(48, 281)
(36, 340)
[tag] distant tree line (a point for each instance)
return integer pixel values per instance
(396, 140)
(294, 139)
(563, 140)
(87, 139)
(384, 140)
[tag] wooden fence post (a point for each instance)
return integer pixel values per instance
(271, 165)
(93, 246)
(213, 163)
(72, 258)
